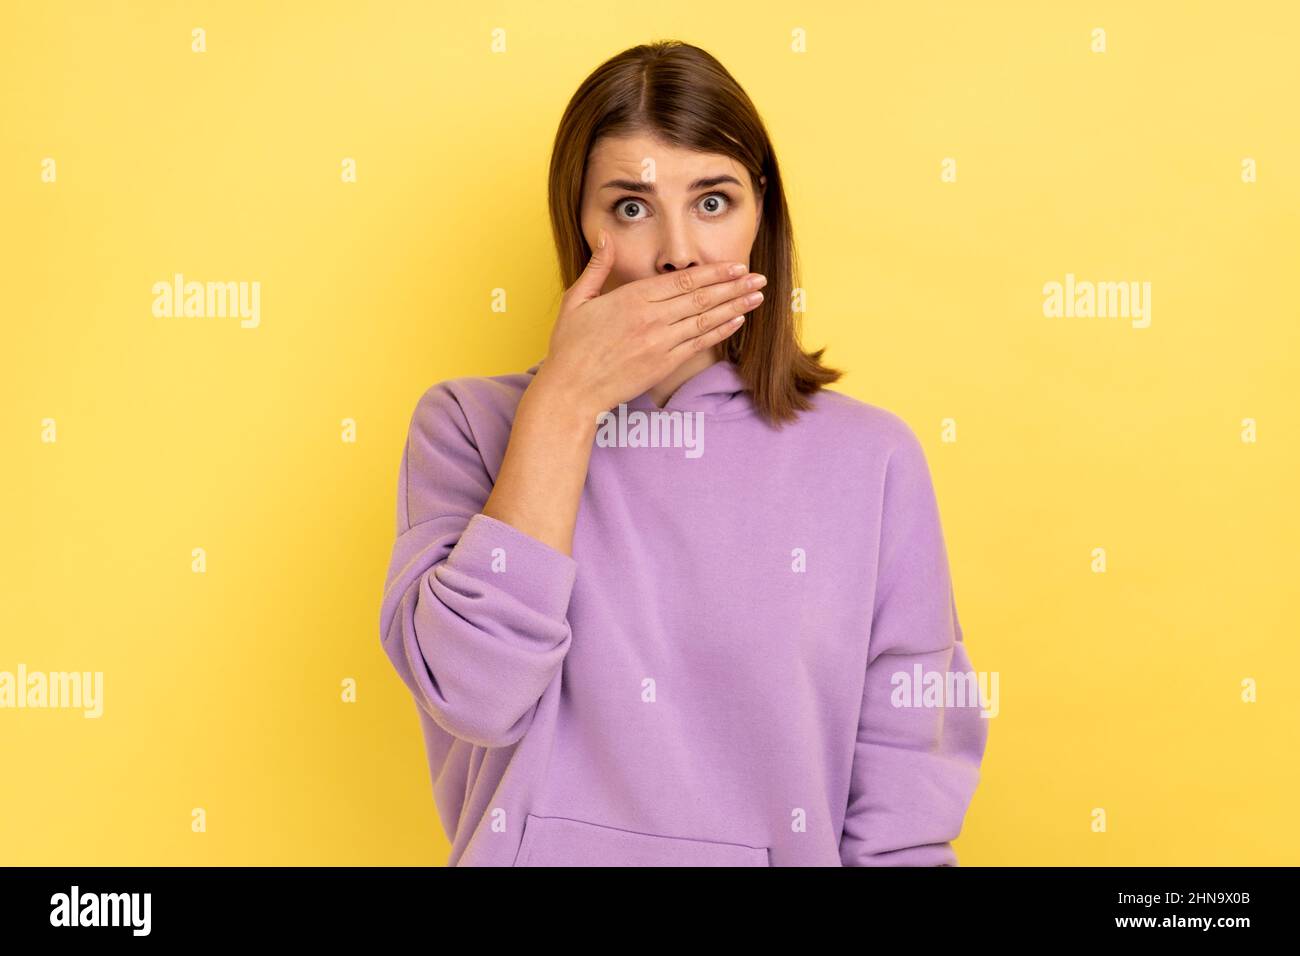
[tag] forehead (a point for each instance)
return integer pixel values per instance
(624, 157)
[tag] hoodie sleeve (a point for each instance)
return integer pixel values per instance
(915, 768)
(474, 610)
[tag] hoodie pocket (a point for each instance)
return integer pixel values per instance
(560, 841)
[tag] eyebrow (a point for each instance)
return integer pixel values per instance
(635, 186)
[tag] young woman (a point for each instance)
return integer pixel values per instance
(659, 597)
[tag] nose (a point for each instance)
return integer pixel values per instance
(678, 249)
(674, 266)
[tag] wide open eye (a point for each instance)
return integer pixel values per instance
(714, 206)
(631, 202)
(713, 198)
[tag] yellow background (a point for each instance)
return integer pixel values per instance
(1119, 691)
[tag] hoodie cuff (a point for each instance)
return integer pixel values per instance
(534, 573)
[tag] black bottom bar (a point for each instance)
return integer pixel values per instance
(880, 908)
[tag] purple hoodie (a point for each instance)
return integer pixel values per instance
(725, 672)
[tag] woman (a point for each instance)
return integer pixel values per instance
(652, 594)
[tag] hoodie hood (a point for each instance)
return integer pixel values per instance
(718, 391)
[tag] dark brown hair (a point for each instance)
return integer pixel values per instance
(683, 96)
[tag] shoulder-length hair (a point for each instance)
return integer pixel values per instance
(682, 95)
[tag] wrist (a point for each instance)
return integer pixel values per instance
(561, 396)
(555, 400)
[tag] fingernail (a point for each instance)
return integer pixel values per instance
(738, 269)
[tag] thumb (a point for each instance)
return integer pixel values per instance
(598, 268)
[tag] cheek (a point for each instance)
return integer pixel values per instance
(736, 243)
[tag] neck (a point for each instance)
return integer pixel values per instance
(698, 362)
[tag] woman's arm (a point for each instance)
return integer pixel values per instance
(474, 614)
(540, 482)
(915, 767)
(474, 610)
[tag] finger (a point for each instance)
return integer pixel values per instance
(710, 338)
(593, 277)
(710, 320)
(695, 304)
(670, 285)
